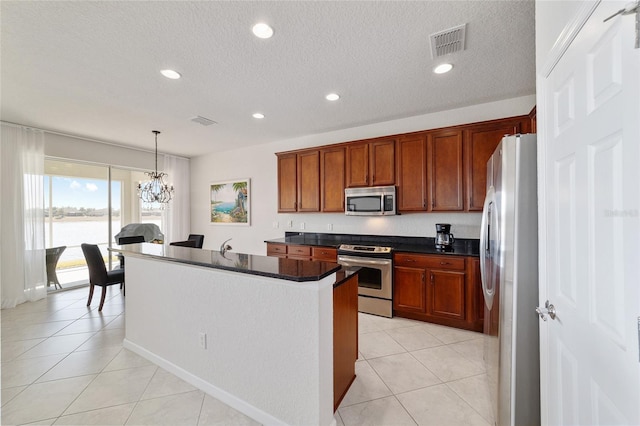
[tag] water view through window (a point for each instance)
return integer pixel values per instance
(77, 211)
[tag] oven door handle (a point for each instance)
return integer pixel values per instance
(359, 261)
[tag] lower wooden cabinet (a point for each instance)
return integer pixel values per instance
(438, 288)
(294, 251)
(446, 294)
(410, 290)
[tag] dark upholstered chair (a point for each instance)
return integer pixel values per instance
(98, 274)
(198, 238)
(52, 256)
(186, 243)
(131, 240)
(128, 240)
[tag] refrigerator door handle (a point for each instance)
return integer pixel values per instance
(485, 246)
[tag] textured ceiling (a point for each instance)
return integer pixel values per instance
(91, 68)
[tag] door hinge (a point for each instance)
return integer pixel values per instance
(638, 339)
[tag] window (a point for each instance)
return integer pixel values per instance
(88, 203)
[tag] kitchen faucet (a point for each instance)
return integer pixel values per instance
(224, 248)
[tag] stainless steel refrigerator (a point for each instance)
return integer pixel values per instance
(509, 269)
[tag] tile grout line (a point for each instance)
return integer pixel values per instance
(88, 384)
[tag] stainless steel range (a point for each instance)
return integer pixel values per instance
(375, 282)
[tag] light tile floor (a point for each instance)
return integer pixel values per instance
(63, 363)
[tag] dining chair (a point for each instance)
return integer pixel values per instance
(198, 238)
(185, 243)
(98, 274)
(131, 240)
(128, 240)
(52, 255)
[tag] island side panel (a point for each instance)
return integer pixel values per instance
(345, 336)
(269, 341)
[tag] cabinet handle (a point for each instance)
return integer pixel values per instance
(445, 263)
(409, 260)
(432, 279)
(423, 278)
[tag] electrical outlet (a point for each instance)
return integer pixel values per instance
(276, 225)
(203, 340)
(290, 224)
(329, 227)
(302, 225)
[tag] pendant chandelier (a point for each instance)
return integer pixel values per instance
(155, 191)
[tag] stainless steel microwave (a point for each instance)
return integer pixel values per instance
(371, 201)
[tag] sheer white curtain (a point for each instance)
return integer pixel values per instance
(22, 250)
(178, 213)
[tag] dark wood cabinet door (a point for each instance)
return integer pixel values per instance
(332, 177)
(357, 165)
(474, 286)
(409, 289)
(481, 141)
(299, 252)
(309, 181)
(383, 163)
(446, 171)
(412, 173)
(446, 294)
(287, 183)
(326, 254)
(279, 250)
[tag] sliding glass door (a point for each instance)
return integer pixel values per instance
(88, 203)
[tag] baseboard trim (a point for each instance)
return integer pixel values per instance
(229, 399)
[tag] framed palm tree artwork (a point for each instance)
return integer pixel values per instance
(230, 202)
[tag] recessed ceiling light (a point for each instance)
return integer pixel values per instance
(258, 115)
(173, 75)
(262, 30)
(442, 68)
(332, 97)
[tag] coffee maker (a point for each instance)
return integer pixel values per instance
(444, 239)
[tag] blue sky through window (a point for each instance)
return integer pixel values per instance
(78, 192)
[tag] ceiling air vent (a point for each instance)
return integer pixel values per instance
(447, 41)
(202, 120)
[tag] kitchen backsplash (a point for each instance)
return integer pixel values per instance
(463, 225)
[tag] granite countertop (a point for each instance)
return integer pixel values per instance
(419, 245)
(266, 266)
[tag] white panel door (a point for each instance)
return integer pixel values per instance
(590, 180)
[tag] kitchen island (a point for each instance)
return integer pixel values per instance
(253, 331)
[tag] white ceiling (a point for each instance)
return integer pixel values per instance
(91, 69)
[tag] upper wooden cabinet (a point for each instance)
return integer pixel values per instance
(299, 182)
(371, 163)
(433, 170)
(332, 178)
(309, 181)
(445, 171)
(287, 183)
(481, 141)
(411, 154)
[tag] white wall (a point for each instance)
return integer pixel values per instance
(552, 18)
(259, 164)
(75, 148)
